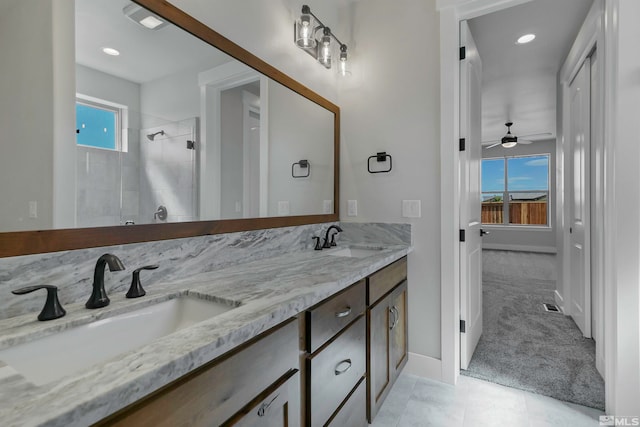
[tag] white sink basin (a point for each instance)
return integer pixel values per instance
(354, 252)
(50, 358)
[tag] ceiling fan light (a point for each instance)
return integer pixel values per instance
(509, 144)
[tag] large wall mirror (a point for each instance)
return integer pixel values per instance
(149, 125)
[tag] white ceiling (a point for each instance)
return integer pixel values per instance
(145, 55)
(519, 81)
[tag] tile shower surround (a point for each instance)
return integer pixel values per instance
(72, 271)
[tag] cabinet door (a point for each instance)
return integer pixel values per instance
(398, 314)
(278, 406)
(379, 380)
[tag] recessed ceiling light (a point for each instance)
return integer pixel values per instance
(111, 51)
(526, 38)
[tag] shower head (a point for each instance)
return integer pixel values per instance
(152, 136)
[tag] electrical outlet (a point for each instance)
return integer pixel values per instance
(327, 206)
(352, 208)
(283, 207)
(33, 209)
(238, 207)
(411, 209)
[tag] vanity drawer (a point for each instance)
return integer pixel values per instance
(334, 372)
(384, 280)
(354, 411)
(330, 317)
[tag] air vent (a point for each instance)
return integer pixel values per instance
(551, 308)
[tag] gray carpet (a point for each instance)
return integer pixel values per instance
(524, 347)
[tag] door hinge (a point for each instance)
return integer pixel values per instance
(462, 144)
(463, 53)
(463, 326)
(462, 235)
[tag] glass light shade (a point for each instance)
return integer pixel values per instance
(509, 144)
(324, 51)
(342, 70)
(304, 32)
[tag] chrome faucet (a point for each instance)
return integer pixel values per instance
(99, 296)
(328, 244)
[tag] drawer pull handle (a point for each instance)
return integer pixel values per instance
(343, 313)
(265, 406)
(392, 318)
(396, 316)
(340, 369)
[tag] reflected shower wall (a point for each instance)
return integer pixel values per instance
(168, 175)
(129, 185)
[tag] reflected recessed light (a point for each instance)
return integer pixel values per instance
(111, 51)
(526, 38)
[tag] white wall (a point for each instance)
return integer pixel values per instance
(298, 130)
(392, 104)
(26, 116)
(528, 238)
(625, 295)
(171, 98)
(265, 28)
(231, 152)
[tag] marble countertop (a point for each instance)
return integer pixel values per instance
(264, 293)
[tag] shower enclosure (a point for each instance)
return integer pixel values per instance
(150, 177)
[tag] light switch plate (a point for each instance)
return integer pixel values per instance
(411, 209)
(33, 209)
(283, 207)
(327, 206)
(352, 208)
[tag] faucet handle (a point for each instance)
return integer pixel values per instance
(136, 290)
(52, 308)
(318, 246)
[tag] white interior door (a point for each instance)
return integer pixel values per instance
(470, 215)
(579, 229)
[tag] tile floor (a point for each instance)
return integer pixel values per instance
(419, 402)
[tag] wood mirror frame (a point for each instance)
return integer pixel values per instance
(40, 241)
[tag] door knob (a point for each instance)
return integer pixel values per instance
(482, 232)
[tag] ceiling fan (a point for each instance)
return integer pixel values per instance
(510, 140)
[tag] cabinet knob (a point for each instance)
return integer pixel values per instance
(343, 313)
(343, 367)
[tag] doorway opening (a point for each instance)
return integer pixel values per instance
(515, 341)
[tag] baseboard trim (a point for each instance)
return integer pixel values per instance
(424, 366)
(521, 248)
(559, 300)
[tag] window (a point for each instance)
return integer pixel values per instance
(515, 190)
(98, 125)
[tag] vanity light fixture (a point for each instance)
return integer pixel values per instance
(312, 36)
(525, 38)
(142, 16)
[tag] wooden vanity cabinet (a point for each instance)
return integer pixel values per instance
(229, 390)
(278, 406)
(335, 360)
(387, 350)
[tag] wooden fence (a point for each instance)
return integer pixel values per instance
(534, 212)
